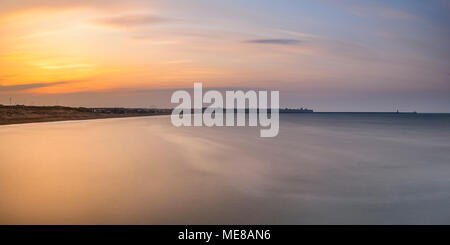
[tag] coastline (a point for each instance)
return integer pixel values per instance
(20, 114)
(34, 114)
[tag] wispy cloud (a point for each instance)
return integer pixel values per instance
(130, 21)
(275, 41)
(381, 12)
(21, 87)
(14, 6)
(67, 66)
(297, 34)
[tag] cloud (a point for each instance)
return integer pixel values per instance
(21, 87)
(68, 66)
(275, 41)
(382, 12)
(130, 21)
(297, 34)
(12, 6)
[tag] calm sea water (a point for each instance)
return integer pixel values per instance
(321, 169)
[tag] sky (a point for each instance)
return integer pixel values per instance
(322, 54)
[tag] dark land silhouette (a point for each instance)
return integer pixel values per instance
(28, 114)
(14, 114)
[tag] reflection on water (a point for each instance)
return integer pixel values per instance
(321, 169)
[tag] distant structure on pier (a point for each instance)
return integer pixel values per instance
(301, 110)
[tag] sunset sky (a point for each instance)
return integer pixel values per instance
(326, 55)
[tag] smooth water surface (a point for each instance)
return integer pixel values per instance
(320, 169)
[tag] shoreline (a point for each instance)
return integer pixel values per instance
(3, 123)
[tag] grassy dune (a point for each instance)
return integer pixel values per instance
(29, 114)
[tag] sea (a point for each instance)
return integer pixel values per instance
(322, 168)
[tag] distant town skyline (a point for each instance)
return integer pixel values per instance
(324, 55)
